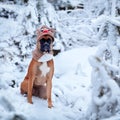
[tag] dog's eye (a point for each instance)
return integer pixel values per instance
(41, 30)
(49, 40)
(42, 40)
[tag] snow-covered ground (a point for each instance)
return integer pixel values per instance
(71, 91)
(76, 30)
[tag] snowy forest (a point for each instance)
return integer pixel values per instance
(86, 82)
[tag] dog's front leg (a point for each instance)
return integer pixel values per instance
(30, 87)
(49, 83)
(32, 73)
(49, 91)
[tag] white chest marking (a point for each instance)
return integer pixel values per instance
(44, 69)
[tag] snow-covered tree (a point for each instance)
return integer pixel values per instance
(107, 25)
(17, 37)
(105, 64)
(105, 91)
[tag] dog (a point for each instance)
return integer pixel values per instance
(38, 80)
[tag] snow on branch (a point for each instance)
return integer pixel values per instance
(114, 21)
(103, 19)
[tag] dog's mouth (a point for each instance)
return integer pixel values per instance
(45, 45)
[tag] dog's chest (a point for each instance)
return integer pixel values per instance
(44, 69)
(41, 76)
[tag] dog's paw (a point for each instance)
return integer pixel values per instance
(30, 101)
(50, 105)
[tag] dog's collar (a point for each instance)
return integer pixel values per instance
(37, 55)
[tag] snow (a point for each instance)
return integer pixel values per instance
(71, 90)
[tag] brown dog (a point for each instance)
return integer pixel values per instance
(38, 81)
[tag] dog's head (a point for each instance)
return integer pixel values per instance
(45, 39)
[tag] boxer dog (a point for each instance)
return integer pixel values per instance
(38, 80)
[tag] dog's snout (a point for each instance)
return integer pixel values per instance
(45, 45)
